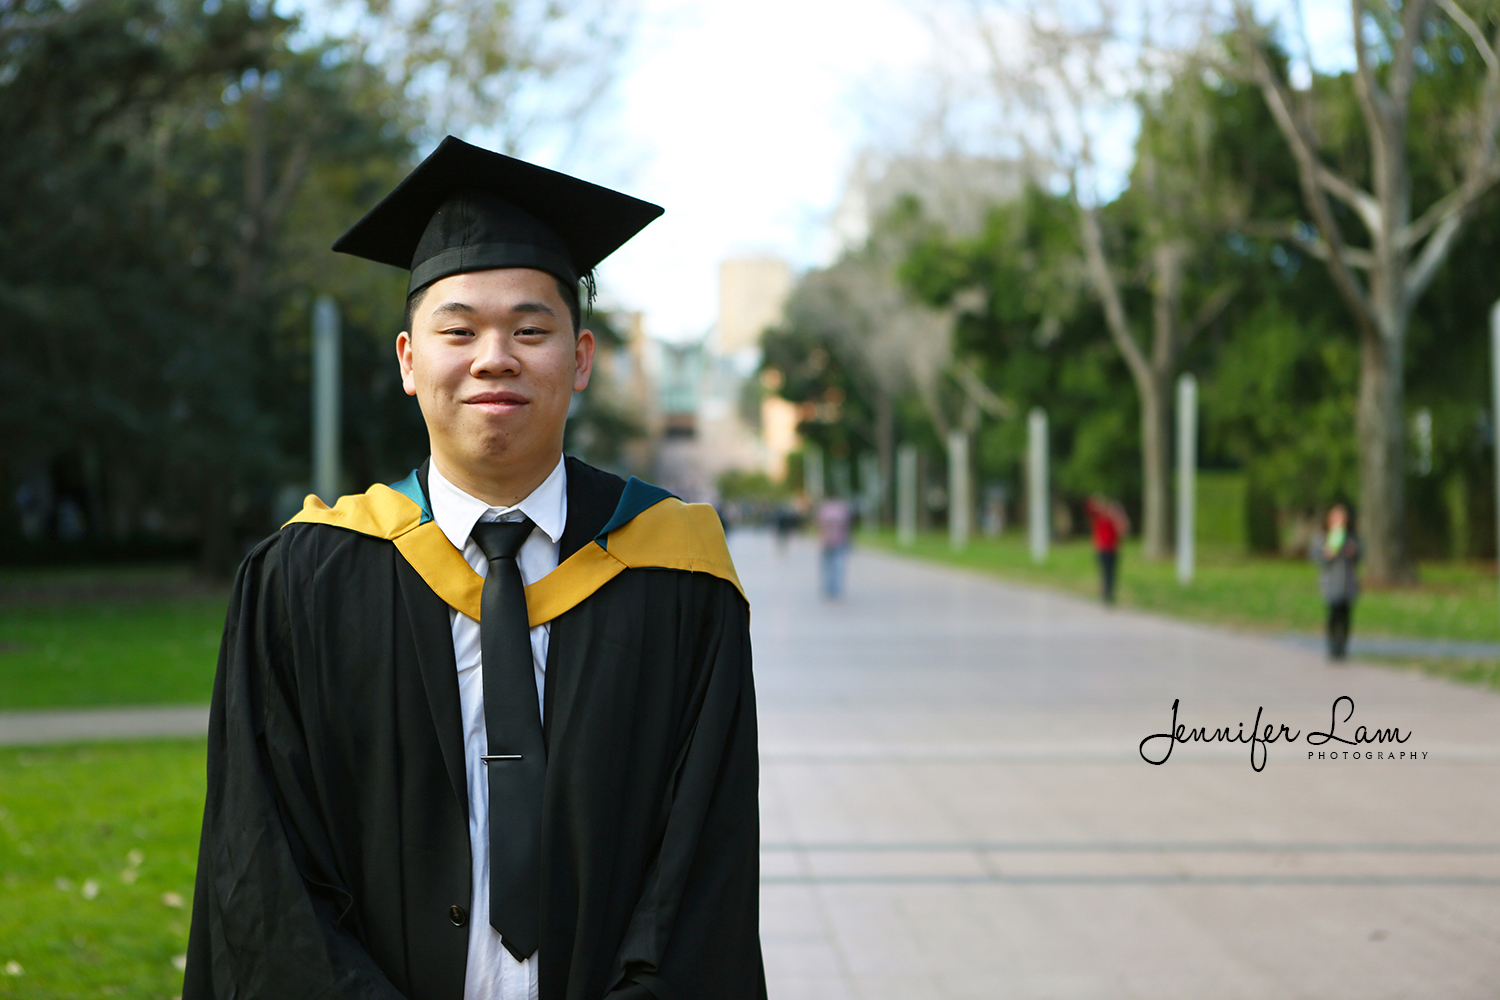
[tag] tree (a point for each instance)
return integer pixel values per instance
(1031, 338)
(1425, 60)
(877, 342)
(97, 257)
(173, 178)
(524, 76)
(1080, 67)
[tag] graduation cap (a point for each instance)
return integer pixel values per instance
(467, 209)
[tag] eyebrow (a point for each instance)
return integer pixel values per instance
(524, 308)
(533, 307)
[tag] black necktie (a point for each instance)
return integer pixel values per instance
(517, 761)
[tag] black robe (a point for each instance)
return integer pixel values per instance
(335, 857)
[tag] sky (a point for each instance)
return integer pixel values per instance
(744, 120)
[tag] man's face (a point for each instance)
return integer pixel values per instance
(493, 362)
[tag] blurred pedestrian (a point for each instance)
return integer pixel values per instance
(1109, 524)
(834, 517)
(786, 520)
(1336, 551)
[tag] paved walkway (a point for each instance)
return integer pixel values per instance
(1449, 648)
(954, 804)
(89, 724)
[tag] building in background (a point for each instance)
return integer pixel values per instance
(713, 417)
(954, 190)
(752, 292)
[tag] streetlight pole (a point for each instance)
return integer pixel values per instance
(326, 404)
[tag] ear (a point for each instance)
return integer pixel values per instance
(403, 358)
(583, 360)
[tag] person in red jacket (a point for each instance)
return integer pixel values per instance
(1109, 523)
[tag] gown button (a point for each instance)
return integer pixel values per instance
(458, 915)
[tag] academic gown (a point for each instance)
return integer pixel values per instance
(335, 858)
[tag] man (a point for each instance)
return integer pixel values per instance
(1336, 551)
(834, 519)
(427, 782)
(1108, 522)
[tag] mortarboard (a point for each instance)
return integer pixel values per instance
(468, 209)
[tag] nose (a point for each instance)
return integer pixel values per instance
(493, 355)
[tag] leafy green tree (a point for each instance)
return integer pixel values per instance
(856, 346)
(1383, 226)
(1031, 340)
(174, 176)
(161, 154)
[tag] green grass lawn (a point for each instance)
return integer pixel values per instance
(107, 637)
(1452, 601)
(98, 846)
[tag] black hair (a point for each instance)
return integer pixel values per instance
(568, 292)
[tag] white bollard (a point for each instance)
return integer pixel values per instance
(1038, 506)
(1495, 413)
(906, 495)
(960, 499)
(1187, 468)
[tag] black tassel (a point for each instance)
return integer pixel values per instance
(590, 289)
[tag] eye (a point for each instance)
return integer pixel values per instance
(531, 331)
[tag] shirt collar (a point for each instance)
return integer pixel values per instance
(456, 512)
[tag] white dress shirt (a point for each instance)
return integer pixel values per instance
(493, 973)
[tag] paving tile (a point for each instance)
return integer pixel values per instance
(811, 988)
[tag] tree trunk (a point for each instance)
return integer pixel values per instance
(216, 556)
(1168, 260)
(1155, 466)
(1381, 430)
(885, 450)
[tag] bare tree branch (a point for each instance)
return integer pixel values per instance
(1445, 218)
(1421, 272)
(980, 394)
(1461, 18)
(1298, 135)
(1296, 234)
(1108, 289)
(1366, 87)
(1210, 310)
(1362, 202)
(1310, 168)
(1302, 35)
(1456, 204)
(1403, 64)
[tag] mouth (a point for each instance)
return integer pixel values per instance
(496, 401)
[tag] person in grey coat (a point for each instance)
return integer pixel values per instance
(1336, 551)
